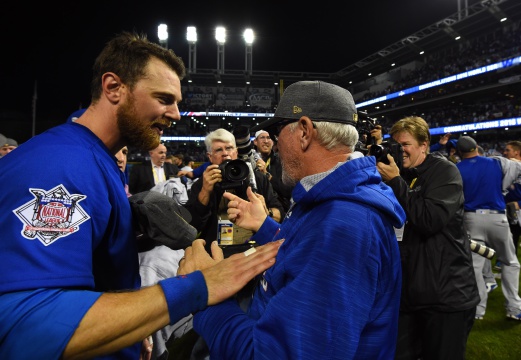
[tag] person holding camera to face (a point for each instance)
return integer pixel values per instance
(439, 290)
(206, 203)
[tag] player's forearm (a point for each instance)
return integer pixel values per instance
(118, 320)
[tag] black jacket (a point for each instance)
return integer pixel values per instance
(205, 218)
(437, 268)
(142, 178)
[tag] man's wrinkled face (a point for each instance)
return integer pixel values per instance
(222, 151)
(290, 154)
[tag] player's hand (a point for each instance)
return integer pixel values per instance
(230, 275)
(197, 258)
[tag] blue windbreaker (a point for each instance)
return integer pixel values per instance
(334, 291)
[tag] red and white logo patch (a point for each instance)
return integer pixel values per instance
(51, 215)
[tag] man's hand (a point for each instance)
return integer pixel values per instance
(211, 176)
(230, 275)
(146, 349)
(388, 172)
(263, 201)
(444, 139)
(197, 258)
(247, 214)
(376, 133)
(261, 166)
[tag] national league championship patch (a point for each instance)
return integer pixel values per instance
(51, 215)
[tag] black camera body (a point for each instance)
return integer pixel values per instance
(392, 148)
(379, 151)
(235, 174)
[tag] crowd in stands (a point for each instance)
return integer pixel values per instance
(225, 98)
(475, 53)
(487, 49)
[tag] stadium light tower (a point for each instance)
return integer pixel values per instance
(162, 34)
(220, 36)
(466, 8)
(191, 36)
(248, 39)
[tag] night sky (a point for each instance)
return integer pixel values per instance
(55, 46)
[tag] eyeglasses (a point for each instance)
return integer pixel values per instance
(278, 128)
(219, 151)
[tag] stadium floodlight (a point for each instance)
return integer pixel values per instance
(191, 36)
(248, 39)
(162, 34)
(248, 36)
(220, 36)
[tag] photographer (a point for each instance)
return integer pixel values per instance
(439, 291)
(206, 203)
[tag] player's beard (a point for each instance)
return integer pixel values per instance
(134, 131)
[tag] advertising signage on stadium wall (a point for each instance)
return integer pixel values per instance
(485, 125)
(225, 113)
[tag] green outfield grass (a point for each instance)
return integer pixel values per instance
(495, 337)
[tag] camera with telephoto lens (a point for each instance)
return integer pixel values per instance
(379, 151)
(235, 174)
(246, 152)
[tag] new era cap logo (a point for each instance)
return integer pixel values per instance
(296, 109)
(355, 117)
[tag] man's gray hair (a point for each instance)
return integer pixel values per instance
(331, 135)
(220, 135)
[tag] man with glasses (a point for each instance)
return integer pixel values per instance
(206, 203)
(334, 291)
(269, 164)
